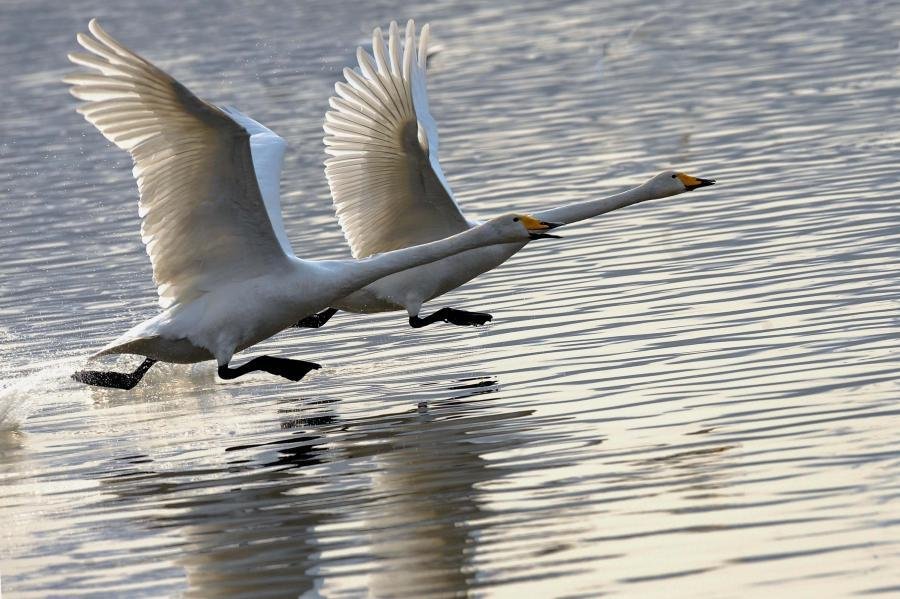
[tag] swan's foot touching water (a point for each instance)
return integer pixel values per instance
(452, 316)
(114, 380)
(316, 320)
(290, 369)
(293, 370)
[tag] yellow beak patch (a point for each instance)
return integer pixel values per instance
(688, 180)
(531, 223)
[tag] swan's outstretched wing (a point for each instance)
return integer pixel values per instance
(267, 149)
(204, 221)
(388, 188)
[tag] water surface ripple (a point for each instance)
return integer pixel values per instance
(692, 397)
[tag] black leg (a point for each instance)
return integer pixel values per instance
(453, 316)
(316, 320)
(116, 380)
(290, 369)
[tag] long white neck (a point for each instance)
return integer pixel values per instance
(572, 213)
(359, 273)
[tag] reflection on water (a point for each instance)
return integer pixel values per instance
(695, 396)
(257, 518)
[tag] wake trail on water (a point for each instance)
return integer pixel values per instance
(21, 395)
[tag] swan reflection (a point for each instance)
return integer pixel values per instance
(273, 517)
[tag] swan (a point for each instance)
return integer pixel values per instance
(225, 274)
(389, 190)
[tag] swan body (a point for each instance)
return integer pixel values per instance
(211, 222)
(240, 313)
(389, 190)
(410, 289)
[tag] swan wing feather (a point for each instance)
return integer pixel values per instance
(386, 183)
(204, 221)
(267, 150)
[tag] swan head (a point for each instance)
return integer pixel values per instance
(670, 183)
(523, 227)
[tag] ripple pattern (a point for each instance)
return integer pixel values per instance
(689, 397)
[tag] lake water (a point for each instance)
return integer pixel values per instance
(691, 397)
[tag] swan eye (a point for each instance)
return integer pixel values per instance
(673, 176)
(516, 219)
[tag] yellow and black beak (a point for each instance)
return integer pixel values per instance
(537, 227)
(691, 183)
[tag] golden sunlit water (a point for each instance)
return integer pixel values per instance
(693, 397)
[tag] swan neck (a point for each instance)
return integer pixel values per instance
(369, 270)
(572, 213)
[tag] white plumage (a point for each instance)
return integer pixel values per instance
(388, 187)
(386, 182)
(211, 220)
(193, 169)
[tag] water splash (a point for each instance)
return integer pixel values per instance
(21, 396)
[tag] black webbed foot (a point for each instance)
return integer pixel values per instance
(114, 380)
(293, 370)
(316, 320)
(453, 316)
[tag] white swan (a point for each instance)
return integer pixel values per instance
(389, 191)
(223, 267)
